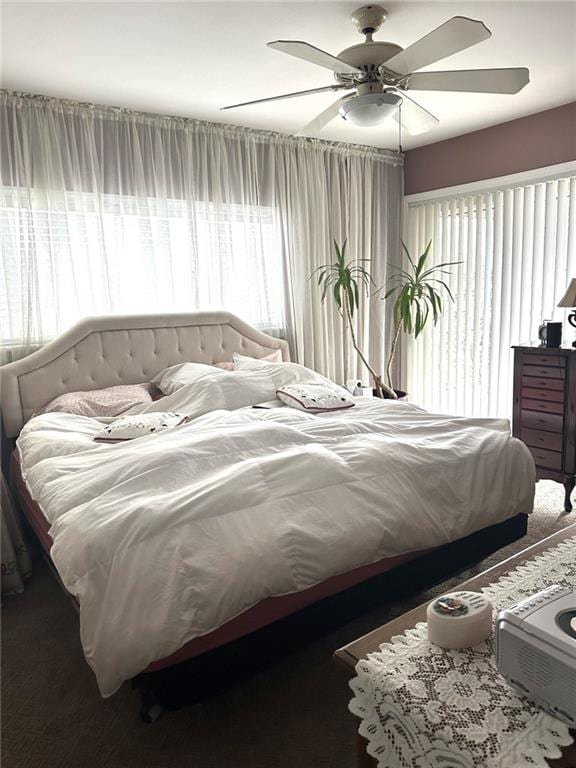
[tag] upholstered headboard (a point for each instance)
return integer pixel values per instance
(123, 349)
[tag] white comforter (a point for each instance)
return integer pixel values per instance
(166, 537)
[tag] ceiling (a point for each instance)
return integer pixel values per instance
(189, 58)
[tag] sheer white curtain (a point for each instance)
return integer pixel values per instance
(104, 210)
(518, 248)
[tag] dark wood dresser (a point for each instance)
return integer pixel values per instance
(544, 415)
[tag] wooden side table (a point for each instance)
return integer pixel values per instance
(348, 656)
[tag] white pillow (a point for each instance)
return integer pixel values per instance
(171, 379)
(130, 427)
(245, 363)
(315, 397)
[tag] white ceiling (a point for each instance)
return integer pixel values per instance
(189, 58)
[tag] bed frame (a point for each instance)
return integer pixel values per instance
(105, 351)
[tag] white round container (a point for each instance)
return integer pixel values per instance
(459, 620)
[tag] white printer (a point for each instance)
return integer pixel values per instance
(536, 650)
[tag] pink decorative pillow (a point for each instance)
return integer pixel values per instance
(112, 401)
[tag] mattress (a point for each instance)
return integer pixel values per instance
(165, 538)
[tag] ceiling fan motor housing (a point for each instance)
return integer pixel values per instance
(369, 18)
(369, 56)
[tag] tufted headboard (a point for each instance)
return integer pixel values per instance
(123, 349)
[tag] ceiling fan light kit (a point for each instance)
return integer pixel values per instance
(369, 109)
(377, 74)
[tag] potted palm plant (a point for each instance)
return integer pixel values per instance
(418, 291)
(344, 281)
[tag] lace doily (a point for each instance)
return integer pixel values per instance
(424, 707)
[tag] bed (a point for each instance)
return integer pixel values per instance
(302, 507)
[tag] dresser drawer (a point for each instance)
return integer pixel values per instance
(551, 441)
(542, 372)
(548, 459)
(551, 395)
(546, 406)
(549, 422)
(534, 383)
(557, 361)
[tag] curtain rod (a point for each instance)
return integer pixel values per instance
(387, 155)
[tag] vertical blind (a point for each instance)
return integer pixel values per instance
(518, 252)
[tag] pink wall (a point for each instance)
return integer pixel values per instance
(546, 138)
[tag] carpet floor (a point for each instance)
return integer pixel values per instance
(290, 714)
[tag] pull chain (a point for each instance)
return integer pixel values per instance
(400, 150)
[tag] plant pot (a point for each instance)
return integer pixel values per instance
(399, 393)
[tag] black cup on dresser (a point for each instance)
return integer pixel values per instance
(550, 334)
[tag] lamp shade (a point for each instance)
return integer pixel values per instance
(569, 298)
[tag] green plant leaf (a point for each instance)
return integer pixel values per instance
(337, 295)
(440, 268)
(446, 288)
(432, 300)
(406, 309)
(400, 272)
(407, 252)
(426, 314)
(422, 259)
(322, 266)
(327, 282)
(418, 320)
(363, 274)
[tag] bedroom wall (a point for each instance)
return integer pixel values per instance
(535, 141)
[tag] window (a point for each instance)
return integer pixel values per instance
(83, 254)
(518, 248)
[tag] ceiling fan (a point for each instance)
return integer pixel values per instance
(377, 75)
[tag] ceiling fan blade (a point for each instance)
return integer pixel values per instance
(289, 95)
(325, 117)
(315, 55)
(454, 35)
(509, 80)
(413, 117)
